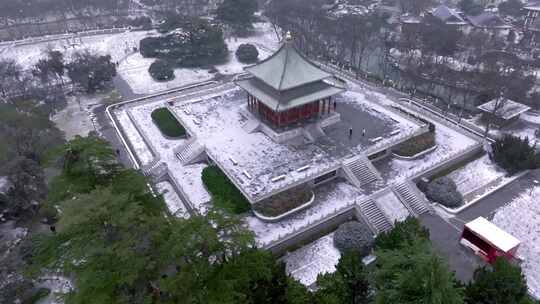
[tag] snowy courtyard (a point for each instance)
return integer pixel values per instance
(521, 218)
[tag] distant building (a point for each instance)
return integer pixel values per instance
(449, 16)
(490, 22)
(531, 26)
(502, 111)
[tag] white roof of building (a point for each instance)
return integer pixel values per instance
(505, 109)
(493, 234)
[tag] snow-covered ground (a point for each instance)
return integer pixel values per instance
(525, 127)
(392, 207)
(263, 38)
(140, 149)
(117, 45)
(173, 201)
(328, 199)
(521, 218)
(258, 156)
(134, 70)
(58, 285)
(449, 144)
(476, 174)
(77, 117)
(318, 257)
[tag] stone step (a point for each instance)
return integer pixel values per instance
(189, 151)
(411, 198)
(375, 216)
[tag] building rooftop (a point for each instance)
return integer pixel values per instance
(488, 20)
(493, 234)
(448, 15)
(505, 109)
(287, 69)
(282, 101)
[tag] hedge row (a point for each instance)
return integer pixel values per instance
(224, 193)
(167, 123)
(416, 145)
(284, 201)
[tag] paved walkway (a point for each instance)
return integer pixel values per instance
(487, 206)
(445, 240)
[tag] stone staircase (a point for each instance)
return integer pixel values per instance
(360, 171)
(155, 169)
(376, 218)
(411, 198)
(189, 151)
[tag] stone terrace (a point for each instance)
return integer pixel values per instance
(253, 160)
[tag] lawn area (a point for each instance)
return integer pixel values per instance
(416, 145)
(167, 123)
(224, 193)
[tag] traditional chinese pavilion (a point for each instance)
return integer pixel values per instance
(287, 88)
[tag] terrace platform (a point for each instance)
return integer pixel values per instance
(261, 167)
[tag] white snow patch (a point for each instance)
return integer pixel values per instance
(117, 45)
(134, 70)
(392, 207)
(77, 118)
(264, 39)
(318, 257)
(521, 218)
(173, 201)
(328, 199)
(476, 174)
(58, 285)
(134, 137)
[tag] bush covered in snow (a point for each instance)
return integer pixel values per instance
(167, 123)
(515, 154)
(354, 236)
(444, 191)
(247, 53)
(224, 193)
(161, 70)
(416, 145)
(197, 43)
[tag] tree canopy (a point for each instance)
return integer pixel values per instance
(91, 72)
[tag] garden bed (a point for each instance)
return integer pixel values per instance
(414, 146)
(167, 123)
(284, 202)
(224, 193)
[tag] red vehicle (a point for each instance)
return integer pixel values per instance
(489, 241)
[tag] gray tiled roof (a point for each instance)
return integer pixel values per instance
(287, 69)
(488, 20)
(285, 100)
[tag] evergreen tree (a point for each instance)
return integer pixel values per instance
(498, 284)
(239, 14)
(347, 285)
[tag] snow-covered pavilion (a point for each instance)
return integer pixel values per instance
(287, 88)
(502, 111)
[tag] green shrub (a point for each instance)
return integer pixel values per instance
(354, 236)
(167, 123)
(416, 145)
(247, 53)
(284, 201)
(444, 191)
(161, 70)
(224, 193)
(514, 154)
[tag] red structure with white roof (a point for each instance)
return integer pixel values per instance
(489, 241)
